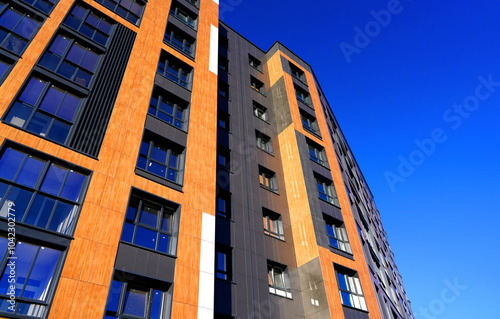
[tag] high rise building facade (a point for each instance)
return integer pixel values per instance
(156, 164)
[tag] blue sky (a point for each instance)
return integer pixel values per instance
(429, 76)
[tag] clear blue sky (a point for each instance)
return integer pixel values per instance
(406, 82)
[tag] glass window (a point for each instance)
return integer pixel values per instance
(260, 111)
(223, 262)
(5, 66)
(89, 23)
(53, 195)
(179, 40)
(309, 123)
(16, 29)
(130, 10)
(350, 290)
(337, 235)
(267, 179)
(150, 225)
(33, 280)
(224, 157)
(223, 120)
(45, 109)
(71, 60)
(45, 6)
(316, 152)
(255, 63)
(302, 96)
(223, 203)
(223, 64)
(183, 14)
(161, 158)
(273, 225)
(131, 296)
(297, 73)
(264, 142)
(257, 85)
(223, 89)
(326, 190)
(279, 280)
(175, 70)
(169, 108)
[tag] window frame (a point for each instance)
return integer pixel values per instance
(297, 73)
(268, 179)
(264, 142)
(166, 207)
(257, 85)
(11, 33)
(34, 2)
(260, 112)
(338, 234)
(349, 286)
(310, 123)
(255, 63)
(174, 11)
(175, 102)
(275, 270)
(36, 190)
(9, 63)
(134, 281)
(166, 59)
(303, 96)
(52, 283)
(226, 198)
(226, 273)
(125, 13)
(223, 117)
(173, 33)
(267, 217)
(317, 153)
(330, 193)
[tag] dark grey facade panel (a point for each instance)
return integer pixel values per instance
(91, 126)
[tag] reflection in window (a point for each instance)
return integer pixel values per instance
(169, 108)
(337, 235)
(223, 262)
(70, 59)
(273, 225)
(131, 296)
(89, 23)
(150, 225)
(16, 29)
(34, 277)
(183, 14)
(174, 70)
(162, 158)
(130, 10)
(267, 179)
(326, 190)
(350, 290)
(179, 39)
(45, 194)
(45, 109)
(279, 280)
(4, 69)
(45, 6)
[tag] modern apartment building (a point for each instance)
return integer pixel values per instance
(156, 164)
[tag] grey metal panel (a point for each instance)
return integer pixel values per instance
(165, 130)
(144, 262)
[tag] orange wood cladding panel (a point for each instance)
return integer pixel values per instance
(83, 287)
(305, 241)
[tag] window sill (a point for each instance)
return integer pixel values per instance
(265, 121)
(268, 153)
(171, 125)
(309, 105)
(148, 249)
(300, 80)
(324, 166)
(192, 57)
(269, 189)
(312, 132)
(357, 309)
(341, 252)
(275, 237)
(256, 69)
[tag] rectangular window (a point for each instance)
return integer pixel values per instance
(223, 120)
(267, 179)
(297, 73)
(260, 111)
(326, 190)
(223, 202)
(17, 28)
(273, 225)
(90, 23)
(309, 123)
(34, 278)
(175, 70)
(130, 10)
(46, 109)
(223, 43)
(71, 59)
(257, 85)
(303, 96)
(151, 223)
(131, 296)
(179, 40)
(161, 157)
(45, 6)
(184, 14)
(350, 290)
(316, 152)
(223, 64)
(169, 108)
(337, 234)
(5, 67)
(223, 262)
(224, 157)
(264, 142)
(255, 63)
(46, 194)
(223, 89)
(279, 280)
